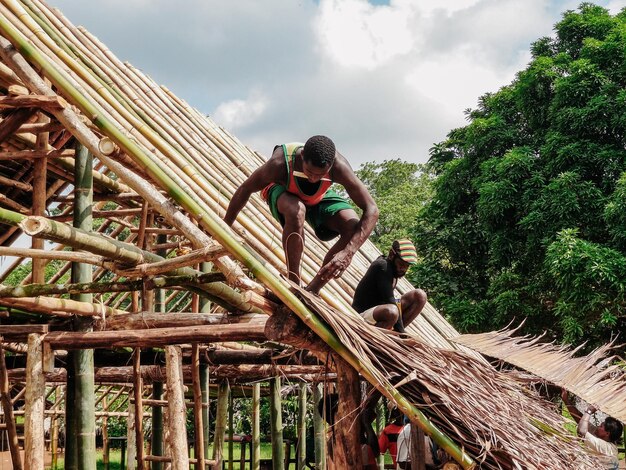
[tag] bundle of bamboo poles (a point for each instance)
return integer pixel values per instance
(199, 156)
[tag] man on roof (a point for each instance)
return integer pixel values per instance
(374, 295)
(295, 182)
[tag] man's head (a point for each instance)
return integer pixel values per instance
(319, 151)
(611, 430)
(402, 254)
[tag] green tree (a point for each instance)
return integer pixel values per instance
(400, 189)
(527, 217)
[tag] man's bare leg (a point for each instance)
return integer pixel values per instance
(294, 213)
(412, 305)
(345, 223)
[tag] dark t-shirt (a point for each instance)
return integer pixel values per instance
(376, 287)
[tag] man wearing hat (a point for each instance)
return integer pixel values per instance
(374, 295)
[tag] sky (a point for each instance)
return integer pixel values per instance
(383, 79)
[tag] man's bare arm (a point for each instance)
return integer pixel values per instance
(344, 175)
(270, 172)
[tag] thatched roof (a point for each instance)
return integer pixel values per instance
(596, 377)
(163, 168)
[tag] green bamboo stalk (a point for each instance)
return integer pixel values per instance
(319, 430)
(9, 217)
(223, 235)
(85, 432)
(301, 450)
(276, 425)
(220, 423)
(255, 451)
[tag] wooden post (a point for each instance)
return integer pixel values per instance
(197, 407)
(417, 449)
(157, 425)
(319, 430)
(231, 443)
(7, 407)
(220, 423)
(131, 436)
(177, 416)
(204, 388)
(157, 387)
(34, 446)
(301, 448)
(347, 444)
(105, 433)
(138, 395)
(255, 452)
(276, 426)
(40, 170)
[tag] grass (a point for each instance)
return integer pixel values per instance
(115, 456)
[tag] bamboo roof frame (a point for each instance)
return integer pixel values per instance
(155, 152)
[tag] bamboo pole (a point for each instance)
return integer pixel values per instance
(255, 451)
(47, 254)
(36, 290)
(220, 422)
(82, 360)
(138, 394)
(197, 407)
(105, 434)
(231, 432)
(319, 430)
(301, 448)
(34, 445)
(276, 425)
(176, 410)
(131, 436)
(7, 408)
(157, 425)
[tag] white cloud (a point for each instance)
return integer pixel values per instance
(356, 33)
(238, 113)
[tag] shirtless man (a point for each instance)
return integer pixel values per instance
(295, 182)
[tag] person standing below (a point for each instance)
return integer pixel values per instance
(431, 452)
(601, 439)
(374, 295)
(388, 439)
(295, 182)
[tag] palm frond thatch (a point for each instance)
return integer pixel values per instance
(594, 377)
(501, 423)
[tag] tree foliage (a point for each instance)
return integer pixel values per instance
(401, 190)
(528, 218)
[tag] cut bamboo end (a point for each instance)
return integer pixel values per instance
(107, 146)
(33, 225)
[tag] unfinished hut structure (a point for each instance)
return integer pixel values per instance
(124, 294)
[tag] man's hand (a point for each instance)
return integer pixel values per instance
(336, 266)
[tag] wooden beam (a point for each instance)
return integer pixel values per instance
(15, 184)
(14, 205)
(27, 154)
(145, 320)
(154, 338)
(197, 256)
(19, 332)
(13, 121)
(49, 103)
(36, 127)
